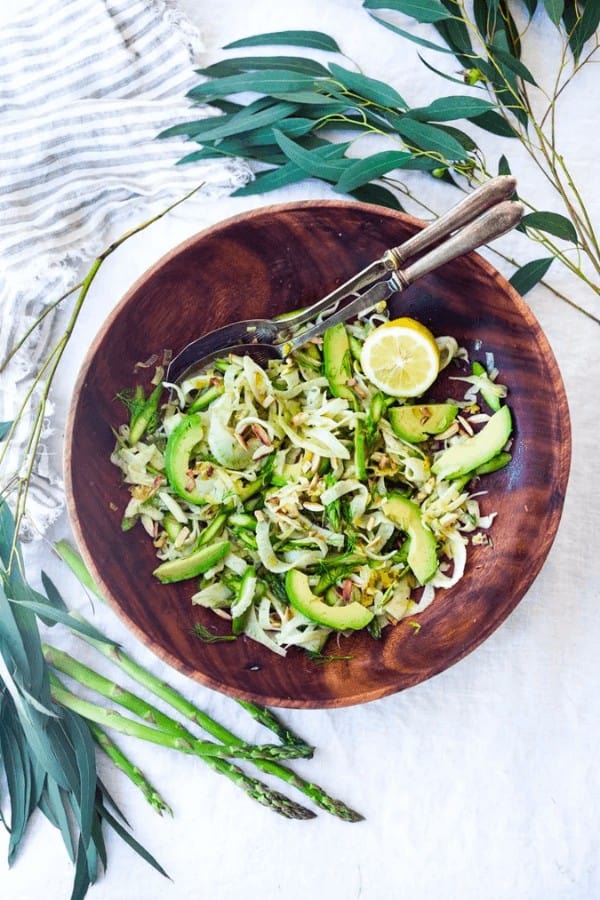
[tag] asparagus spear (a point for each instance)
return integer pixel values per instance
(269, 720)
(255, 789)
(123, 763)
(178, 702)
(168, 732)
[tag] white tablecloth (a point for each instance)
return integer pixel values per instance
(481, 783)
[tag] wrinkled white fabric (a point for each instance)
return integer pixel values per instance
(85, 87)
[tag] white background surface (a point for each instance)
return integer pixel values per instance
(481, 783)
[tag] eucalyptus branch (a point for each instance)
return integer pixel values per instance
(489, 41)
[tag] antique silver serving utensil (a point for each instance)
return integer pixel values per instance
(277, 338)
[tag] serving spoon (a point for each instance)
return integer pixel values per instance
(277, 338)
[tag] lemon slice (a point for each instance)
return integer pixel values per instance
(401, 358)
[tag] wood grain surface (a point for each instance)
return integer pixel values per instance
(260, 264)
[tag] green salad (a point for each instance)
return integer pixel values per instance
(300, 500)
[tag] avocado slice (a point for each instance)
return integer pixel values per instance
(180, 445)
(352, 616)
(337, 361)
(417, 423)
(194, 564)
(462, 458)
(422, 549)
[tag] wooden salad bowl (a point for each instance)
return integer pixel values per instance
(260, 264)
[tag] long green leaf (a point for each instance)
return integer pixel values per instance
(265, 82)
(494, 123)
(4, 429)
(429, 45)
(369, 88)
(53, 595)
(238, 123)
(528, 275)
(555, 9)
(312, 163)
(447, 109)
(315, 39)
(85, 756)
(361, 171)
(428, 137)
(16, 769)
(65, 618)
(285, 175)
(141, 851)
(551, 223)
(375, 193)
(439, 72)
(586, 26)
(54, 804)
(238, 64)
(515, 65)
(455, 32)
(421, 10)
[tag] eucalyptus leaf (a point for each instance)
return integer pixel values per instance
(429, 45)
(551, 223)
(555, 9)
(503, 166)
(428, 137)
(515, 65)
(495, 123)
(584, 28)
(315, 39)
(375, 193)
(421, 10)
(369, 88)
(530, 274)
(531, 6)
(290, 173)
(439, 72)
(455, 32)
(237, 123)
(239, 64)
(4, 429)
(264, 82)
(311, 162)
(306, 98)
(447, 109)
(362, 171)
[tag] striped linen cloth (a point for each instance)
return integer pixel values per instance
(85, 86)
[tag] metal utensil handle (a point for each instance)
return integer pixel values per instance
(488, 195)
(491, 225)
(484, 197)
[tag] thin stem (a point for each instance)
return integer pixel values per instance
(46, 311)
